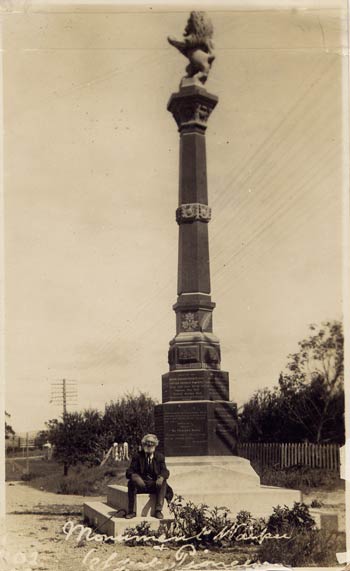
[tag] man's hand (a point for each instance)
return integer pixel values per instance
(159, 481)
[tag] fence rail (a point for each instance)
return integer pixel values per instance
(324, 456)
(19, 442)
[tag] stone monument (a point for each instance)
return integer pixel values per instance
(196, 417)
(196, 422)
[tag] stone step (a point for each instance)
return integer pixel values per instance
(106, 520)
(117, 497)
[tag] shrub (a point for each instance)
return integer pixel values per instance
(190, 519)
(306, 545)
(215, 527)
(27, 476)
(141, 532)
(305, 548)
(316, 503)
(284, 520)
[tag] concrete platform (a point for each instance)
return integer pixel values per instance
(221, 481)
(226, 481)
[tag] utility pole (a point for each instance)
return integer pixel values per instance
(64, 395)
(27, 451)
(64, 392)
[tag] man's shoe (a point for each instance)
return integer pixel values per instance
(159, 515)
(130, 515)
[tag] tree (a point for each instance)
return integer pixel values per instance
(77, 438)
(308, 403)
(264, 418)
(128, 419)
(313, 386)
(84, 437)
(8, 429)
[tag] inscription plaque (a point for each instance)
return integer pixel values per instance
(195, 385)
(197, 428)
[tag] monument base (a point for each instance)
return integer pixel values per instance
(221, 481)
(228, 481)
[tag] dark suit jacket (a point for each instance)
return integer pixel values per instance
(138, 466)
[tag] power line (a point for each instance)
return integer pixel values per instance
(299, 107)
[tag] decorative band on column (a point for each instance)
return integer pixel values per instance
(193, 211)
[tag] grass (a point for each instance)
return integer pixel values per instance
(300, 477)
(48, 475)
(90, 481)
(81, 480)
(15, 469)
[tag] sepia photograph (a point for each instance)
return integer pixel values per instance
(175, 240)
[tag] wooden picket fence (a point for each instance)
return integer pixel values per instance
(324, 456)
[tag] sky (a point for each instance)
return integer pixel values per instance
(91, 188)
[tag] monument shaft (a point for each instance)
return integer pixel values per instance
(196, 417)
(193, 213)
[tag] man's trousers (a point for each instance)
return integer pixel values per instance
(139, 486)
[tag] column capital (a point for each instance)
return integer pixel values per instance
(191, 108)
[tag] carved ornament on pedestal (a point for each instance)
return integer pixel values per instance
(189, 323)
(193, 211)
(188, 354)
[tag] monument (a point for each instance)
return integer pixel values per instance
(196, 417)
(196, 422)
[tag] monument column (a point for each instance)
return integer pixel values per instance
(196, 417)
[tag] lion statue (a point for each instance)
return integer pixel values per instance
(197, 46)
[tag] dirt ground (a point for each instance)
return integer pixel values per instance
(34, 538)
(40, 532)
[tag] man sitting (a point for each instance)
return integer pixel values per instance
(147, 474)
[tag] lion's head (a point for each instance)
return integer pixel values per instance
(199, 26)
